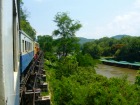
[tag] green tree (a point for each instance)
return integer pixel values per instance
(24, 23)
(45, 42)
(93, 49)
(85, 60)
(73, 85)
(131, 50)
(67, 28)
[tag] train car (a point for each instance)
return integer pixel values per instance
(9, 52)
(26, 50)
(16, 52)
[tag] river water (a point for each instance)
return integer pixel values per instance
(113, 71)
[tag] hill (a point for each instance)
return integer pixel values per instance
(84, 40)
(119, 36)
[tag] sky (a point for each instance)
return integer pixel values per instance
(99, 18)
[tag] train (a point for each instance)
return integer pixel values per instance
(17, 50)
(28, 50)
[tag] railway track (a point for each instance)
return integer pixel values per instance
(33, 83)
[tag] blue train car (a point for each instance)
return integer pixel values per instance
(26, 50)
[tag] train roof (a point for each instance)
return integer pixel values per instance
(22, 32)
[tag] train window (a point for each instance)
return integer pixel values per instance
(30, 46)
(22, 45)
(25, 45)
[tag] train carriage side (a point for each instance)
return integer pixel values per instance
(9, 52)
(27, 51)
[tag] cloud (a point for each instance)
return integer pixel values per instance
(137, 4)
(123, 24)
(127, 23)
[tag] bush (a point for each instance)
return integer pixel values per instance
(66, 67)
(85, 60)
(73, 85)
(137, 81)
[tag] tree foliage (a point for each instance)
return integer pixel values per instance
(73, 80)
(71, 84)
(126, 48)
(130, 51)
(45, 42)
(25, 24)
(67, 28)
(93, 49)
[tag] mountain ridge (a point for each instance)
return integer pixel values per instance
(83, 40)
(119, 36)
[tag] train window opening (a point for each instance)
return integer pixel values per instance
(29, 46)
(25, 45)
(22, 45)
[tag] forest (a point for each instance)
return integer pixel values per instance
(71, 71)
(125, 49)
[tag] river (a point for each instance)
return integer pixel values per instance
(113, 71)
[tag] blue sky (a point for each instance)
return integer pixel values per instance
(99, 18)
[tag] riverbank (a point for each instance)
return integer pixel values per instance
(113, 71)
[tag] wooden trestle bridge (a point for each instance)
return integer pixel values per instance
(33, 83)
